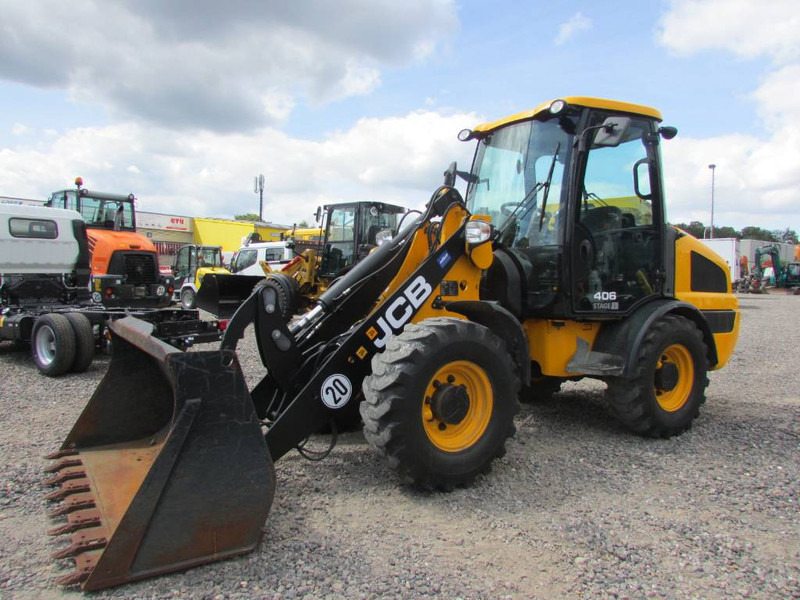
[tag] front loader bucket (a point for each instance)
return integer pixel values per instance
(221, 295)
(166, 467)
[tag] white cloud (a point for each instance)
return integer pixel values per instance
(189, 64)
(745, 28)
(399, 160)
(20, 129)
(756, 177)
(576, 24)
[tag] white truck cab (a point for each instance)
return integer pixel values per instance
(248, 258)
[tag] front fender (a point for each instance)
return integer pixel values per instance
(503, 323)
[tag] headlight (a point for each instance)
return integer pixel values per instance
(383, 236)
(478, 231)
(557, 106)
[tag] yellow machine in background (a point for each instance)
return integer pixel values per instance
(537, 276)
(350, 230)
(192, 264)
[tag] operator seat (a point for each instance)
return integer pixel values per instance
(602, 218)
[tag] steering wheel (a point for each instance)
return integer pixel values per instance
(506, 210)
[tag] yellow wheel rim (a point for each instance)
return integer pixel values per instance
(676, 398)
(454, 437)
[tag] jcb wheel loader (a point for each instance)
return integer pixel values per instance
(559, 264)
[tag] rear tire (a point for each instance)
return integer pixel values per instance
(84, 341)
(440, 402)
(188, 298)
(53, 344)
(664, 394)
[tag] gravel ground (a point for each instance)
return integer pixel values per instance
(578, 508)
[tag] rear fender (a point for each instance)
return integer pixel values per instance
(629, 333)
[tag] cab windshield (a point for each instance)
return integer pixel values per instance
(104, 213)
(515, 169)
(209, 257)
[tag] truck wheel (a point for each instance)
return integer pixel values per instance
(667, 386)
(84, 341)
(53, 344)
(440, 402)
(188, 298)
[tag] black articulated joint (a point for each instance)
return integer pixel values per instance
(274, 339)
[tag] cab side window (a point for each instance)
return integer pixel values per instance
(616, 244)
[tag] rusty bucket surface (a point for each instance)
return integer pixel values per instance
(166, 467)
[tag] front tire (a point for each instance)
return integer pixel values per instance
(188, 298)
(53, 344)
(664, 394)
(440, 402)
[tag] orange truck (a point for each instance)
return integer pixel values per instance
(124, 263)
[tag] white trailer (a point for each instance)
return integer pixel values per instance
(728, 249)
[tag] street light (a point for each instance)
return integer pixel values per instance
(712, 167)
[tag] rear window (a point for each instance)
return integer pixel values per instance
(33, 228)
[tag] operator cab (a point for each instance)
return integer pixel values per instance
(113, 212)
(350, 233)
(574, 191)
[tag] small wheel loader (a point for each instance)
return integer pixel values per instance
(558, 264)
(351, 231)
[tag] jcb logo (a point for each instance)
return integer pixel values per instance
(402, 308)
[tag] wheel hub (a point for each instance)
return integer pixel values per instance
(450, 403)
(666, 378)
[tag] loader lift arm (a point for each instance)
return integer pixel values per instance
(316, 366)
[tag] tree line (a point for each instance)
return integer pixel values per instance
(699, 230)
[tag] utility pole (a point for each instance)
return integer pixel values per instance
(258, 188)
(713, 168)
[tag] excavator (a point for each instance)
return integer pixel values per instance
(557, 263)
(785, 275)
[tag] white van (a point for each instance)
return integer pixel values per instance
(276, 254)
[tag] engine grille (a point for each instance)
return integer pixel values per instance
(137, 267)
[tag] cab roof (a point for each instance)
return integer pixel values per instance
(582, 101)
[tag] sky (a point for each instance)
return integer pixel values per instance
(184, 102)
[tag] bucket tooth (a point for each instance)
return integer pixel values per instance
(177, 472)
(63, 464)
(73, 486)
(84, 565)
(74, 578)
(73, 502)
(61, 453)
(65, 475)
(83, 541)
(80, 519)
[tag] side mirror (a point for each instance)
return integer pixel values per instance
(318, 214)
(668, 132)
(612, 131)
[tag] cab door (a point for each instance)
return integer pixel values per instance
(617, 216)
(183, 265)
